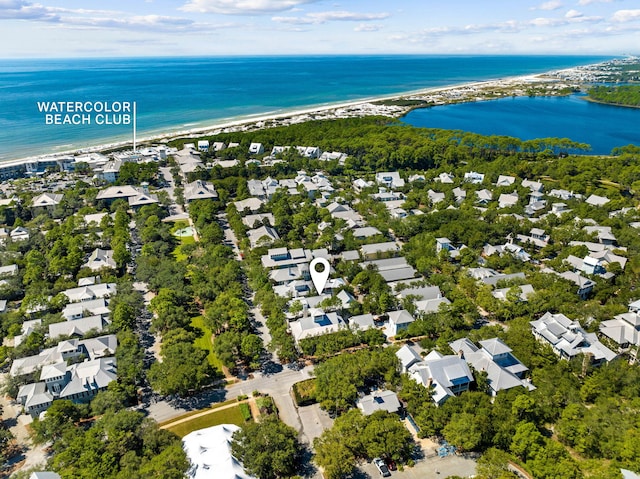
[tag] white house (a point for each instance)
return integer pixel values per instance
(390, 179)
(398, 321)
(100, 258)
(445, 376)
(494, 357)
(209, 451)
(568, 339)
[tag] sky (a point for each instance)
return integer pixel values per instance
(117, 28)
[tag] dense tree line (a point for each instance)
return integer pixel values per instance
(120, 444)
(624, 95)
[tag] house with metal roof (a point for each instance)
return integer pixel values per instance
(567, 338)
(494, 357)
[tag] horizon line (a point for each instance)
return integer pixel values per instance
(307, 55)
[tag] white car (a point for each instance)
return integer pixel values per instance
(382, 467)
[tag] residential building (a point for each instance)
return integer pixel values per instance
(474, 177)
(532, 185)
(100, 258)
(256, 149)
(316, 322)
(446, 178)
(372, 251)
(362, 322)
(199, 190)
(263, 236)
(585, 285)
(390, 179)
(398, 321)
(435, 196)
(568, 339)
(383, 400)
(504, 180)
(47, 200)
(445, 376)
(209, 451)
(392, 269)
(494, 357)
(624, 330)
(508, 200)
(484, 196)
(596, 200)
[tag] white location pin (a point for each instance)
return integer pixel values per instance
(319, 278)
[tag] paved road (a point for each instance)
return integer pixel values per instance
(230, 238)
(277, 385)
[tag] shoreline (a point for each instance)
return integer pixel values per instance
(298, 114)
(369, 106)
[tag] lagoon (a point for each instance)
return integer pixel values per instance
(604, 127)
(177, 94)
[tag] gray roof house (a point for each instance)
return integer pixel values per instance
(44, 475)
(91, 292)
(384, 400)
(398, 320)
(408, 357)
(78, 327)
(503, 369)
(568, 339)
(100, 258)
(362, 321)
(47, 200)
(370, 251)
(392, 269)
(624, 329)
(445, 376)
(199, 190)
(264, 235)
(504, 180)
(315, 323)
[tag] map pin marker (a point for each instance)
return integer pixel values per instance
(319, 278)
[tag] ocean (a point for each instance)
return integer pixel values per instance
(177, 94)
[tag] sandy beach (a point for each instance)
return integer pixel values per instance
(471, 91)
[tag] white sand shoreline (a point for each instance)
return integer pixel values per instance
(242, 123)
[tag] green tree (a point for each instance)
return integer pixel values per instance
(268, 449)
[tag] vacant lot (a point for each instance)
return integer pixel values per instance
(226, 414)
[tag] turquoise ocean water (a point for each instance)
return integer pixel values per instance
(175, 94)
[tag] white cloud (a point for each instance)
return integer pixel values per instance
(573, 14)
(99, 19)
(324, 17)
(550, 5)
(545, 22)
(589, 2)
(242, 7)
(368, 27)
(626, 15)
(21, 10)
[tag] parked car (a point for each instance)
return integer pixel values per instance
(382, 467)
(390, 464)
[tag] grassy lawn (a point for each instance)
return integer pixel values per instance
(184, 240)
(231, 415)
(193, 413)
(204, 341)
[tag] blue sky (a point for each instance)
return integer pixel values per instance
(89, 28)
